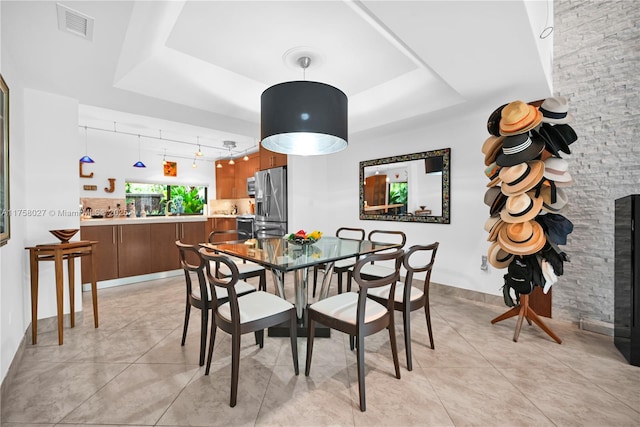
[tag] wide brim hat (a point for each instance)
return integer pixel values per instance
(556, 110)
(518, 117)
(493, 124)
(521, 207)
(492, 225)
(553, 140)
(560, 203)
(491, 148)
(557, 170)
(519, 148)
(498, 257)
(521, 177)
(495, 199)
(493, 173)
(557, 227)
(522, 238)
(566, 132)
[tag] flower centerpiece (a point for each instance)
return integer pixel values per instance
(301, 237)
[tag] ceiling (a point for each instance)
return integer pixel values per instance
(193, 71)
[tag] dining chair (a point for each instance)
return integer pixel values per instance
(373, 270)
(246, 268)
(357, 315)
(407, 297)
(241, 314)
(343, 265)
(199, 296)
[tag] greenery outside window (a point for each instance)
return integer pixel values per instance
(152, 199)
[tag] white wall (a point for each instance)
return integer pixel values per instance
(114, 155)
(324, 195)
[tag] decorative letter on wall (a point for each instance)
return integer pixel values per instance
(112, 185)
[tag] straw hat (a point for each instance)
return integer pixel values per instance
(555, 110)
(557, 170)
(561, 200)
(495, 199)
(493, 173)
(518, 117)
(492, 225)
(521, 207)
(491, 148)
(521, 177)
(519, 148)
(498, 257)
(522, 238)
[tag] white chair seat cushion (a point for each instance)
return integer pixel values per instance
(383, 292)
(243, 268)
(256, 305)
(344, 307)
(344, 263)
(242, 287)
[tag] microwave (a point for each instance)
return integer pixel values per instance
(251, 186)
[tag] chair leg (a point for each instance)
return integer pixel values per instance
(394, 344)
(352, 342)
(427, 313)
(406, 320)
(294, 340)
(203, 334)
(349, 276)
(212, 340)
(259, 337)
(363, 401)
(187, 313)
(340, 283)
(262, 285)
(235, 367)
(310, 336)
(315, 280)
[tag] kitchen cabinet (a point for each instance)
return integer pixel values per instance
(270, 159)
(136, 249)
(244, 170)
(105, 255)
(220, 224)
(225, 180)
(133, 250)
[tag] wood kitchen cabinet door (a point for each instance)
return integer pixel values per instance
(163, 250)
(133, 250)
(270, 159)
(225, 180)
(105, 255)
(192, 233)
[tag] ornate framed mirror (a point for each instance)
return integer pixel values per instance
(407, 188)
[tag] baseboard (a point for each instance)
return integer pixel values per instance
(13, 369)
(133, 279)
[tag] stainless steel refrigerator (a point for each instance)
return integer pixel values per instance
(271, 203)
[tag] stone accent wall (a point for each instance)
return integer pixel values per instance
(597, 67)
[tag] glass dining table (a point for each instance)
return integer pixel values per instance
(281, 256)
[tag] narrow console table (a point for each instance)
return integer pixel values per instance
(57, 252)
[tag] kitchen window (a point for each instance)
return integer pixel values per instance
(152, 199)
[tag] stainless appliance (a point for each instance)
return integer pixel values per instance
(271, 203)
(245, 223)
(251, 186)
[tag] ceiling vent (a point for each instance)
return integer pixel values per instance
(74, 22)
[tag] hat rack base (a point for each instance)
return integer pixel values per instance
(523, 311)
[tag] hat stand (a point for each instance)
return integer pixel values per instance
(523, 311)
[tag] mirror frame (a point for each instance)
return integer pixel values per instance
(446, 173)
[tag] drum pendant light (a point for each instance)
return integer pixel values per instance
(303, 118)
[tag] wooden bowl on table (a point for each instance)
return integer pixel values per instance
(64, 235)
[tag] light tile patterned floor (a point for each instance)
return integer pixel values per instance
(133, 371)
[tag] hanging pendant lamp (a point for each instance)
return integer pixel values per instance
(139, 163)
(303, 118)
(86, 158)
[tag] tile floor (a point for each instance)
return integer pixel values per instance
(133, 371)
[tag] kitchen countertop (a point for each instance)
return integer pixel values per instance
(145, 220)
